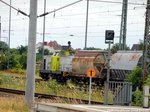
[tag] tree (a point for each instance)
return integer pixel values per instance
(14, 51)
(14, 61)
(23, 60)
(92, 48)
(141, 45)
(115, 48)
(3, 61)
(147, 81)
(40, 52)
(3, 47)
(136, 78)
(22, 49)
(46, 52)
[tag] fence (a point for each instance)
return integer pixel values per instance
(120, 93)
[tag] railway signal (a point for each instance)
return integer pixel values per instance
(109, 36)
(91, 72)
(109, 39)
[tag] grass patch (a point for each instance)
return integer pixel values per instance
(12, 82)
(53, 88)
(17, 104)
(17, 72)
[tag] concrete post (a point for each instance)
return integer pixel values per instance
(86, 27)
(31, 56)
(145, 96)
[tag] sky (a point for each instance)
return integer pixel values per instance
(69, 23)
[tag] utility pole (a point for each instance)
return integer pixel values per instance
(0, 29)
(43, 35)
(9, 35)
(86, 26)
(123, 28)
(31, 56)
(146, 51)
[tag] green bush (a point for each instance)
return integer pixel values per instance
(137, 98)
(147, 82)
(136, 78)
(53, 85)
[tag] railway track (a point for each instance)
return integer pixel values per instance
(46, 96)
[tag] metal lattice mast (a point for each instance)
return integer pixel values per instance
(0, 29)
(146, 51)
(123, 28)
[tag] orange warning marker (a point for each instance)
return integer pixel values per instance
(91, 72)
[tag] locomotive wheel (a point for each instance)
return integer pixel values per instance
(45, 76)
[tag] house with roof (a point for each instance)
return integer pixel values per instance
(136, 47)
(52, 46)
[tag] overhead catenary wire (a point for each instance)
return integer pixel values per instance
(100, 25)
(103, 12)
(101, 32)
(90, 36)
(80, 24)
(80, 14)
(104, 1)
(44, 14)
(14, 8)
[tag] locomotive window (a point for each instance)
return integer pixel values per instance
(57, 59)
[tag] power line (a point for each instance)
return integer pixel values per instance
(39, 33)
(44, 14)
(117, 2)
(90, 26)
(96, 12)
(90, 36)
(22, 19)
(130, 31)
(67, 27)
(15, 8)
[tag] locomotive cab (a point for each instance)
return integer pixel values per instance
(58, 64)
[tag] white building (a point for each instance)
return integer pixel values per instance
(52, 46)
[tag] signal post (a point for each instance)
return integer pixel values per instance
(109, 39)
(91, 72)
